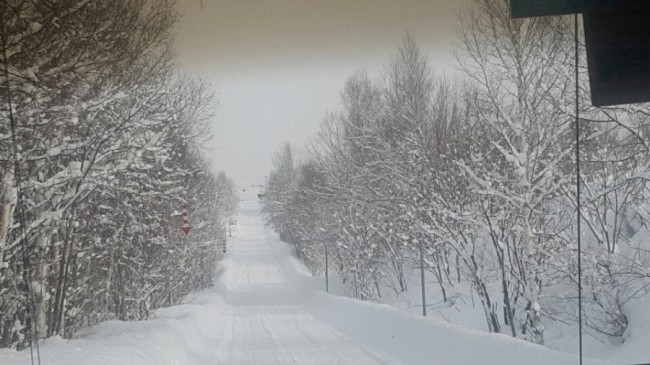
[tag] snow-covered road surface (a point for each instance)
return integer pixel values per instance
(265, 308)
(268, 320)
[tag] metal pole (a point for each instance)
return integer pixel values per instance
(424, 300)
(578, 212)
(327, 280)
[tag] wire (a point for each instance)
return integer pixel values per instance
(578, 210)
(33, 339)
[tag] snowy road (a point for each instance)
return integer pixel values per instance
(269, 322)
(266, 309)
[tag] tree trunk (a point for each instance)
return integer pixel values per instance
(533, 327)
(40, 289)
(7, 205)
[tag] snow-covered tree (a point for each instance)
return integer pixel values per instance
(477, 177)
(108, 142)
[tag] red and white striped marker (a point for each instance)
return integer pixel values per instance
(186, 228)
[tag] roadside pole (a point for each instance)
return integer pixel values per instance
(327, 279)
(424, 300)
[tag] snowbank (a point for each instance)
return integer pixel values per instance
(184, 334)
(419, 340)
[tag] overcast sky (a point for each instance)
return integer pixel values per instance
(279, 65)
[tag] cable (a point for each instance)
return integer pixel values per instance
(33, 339)
(578, 211)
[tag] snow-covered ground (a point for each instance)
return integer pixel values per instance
(266, 309)
(464, 310)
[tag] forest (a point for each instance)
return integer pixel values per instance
(472, 177)
(100, 147)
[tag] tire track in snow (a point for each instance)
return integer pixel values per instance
(268, 321)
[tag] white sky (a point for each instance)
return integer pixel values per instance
(279, 65)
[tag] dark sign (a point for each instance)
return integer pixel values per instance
(617, 36)
(618, 54)
(532, 8)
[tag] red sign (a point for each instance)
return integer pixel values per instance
(186, 228)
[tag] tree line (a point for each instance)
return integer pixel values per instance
(107, 138)
(477, 174)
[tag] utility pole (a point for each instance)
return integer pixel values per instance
(424, 300)
(327, 280)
